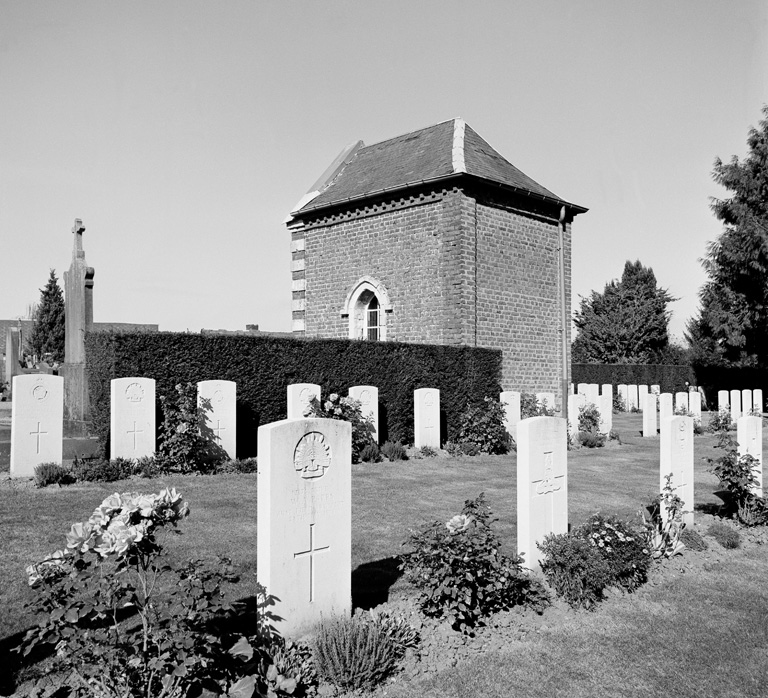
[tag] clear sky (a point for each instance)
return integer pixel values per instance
(183, 133)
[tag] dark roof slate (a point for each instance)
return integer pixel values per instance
(427, 154)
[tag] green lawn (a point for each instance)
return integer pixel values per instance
(698, 623)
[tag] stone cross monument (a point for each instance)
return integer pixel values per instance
(78, 310)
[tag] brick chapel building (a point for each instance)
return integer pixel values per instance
(434, 237)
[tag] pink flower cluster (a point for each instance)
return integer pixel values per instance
(116, 525)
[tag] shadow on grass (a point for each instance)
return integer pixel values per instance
(372, 581)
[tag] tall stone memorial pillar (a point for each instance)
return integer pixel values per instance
(78, 311)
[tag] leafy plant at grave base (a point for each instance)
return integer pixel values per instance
(460, 572)
(664, 526)
(186, 443)
(115, 564)
(738, 476)
(52, 474)
(724, 534)
(483, 425)
(394, 450)
(370, 453)
(614, 436)
(618, 403)
(720, 421)
(531, 406)
(346, 409)
(589, 427)
(452, 449)
(271, 666)
(622, 548)
(358, 653)
(427, 452)
(101, 469)
(575, 569)
(591, 439)
(147, 466)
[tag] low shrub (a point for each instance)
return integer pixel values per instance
(692, 540)
(52, 474)
(148, 467)
(589, 418)
(461, 573)
(574, 569)
(483, 426)
(101, 469)
(354, 654)
(752, 512)
(247, 466)
(725, 535)
(428, 452)
(349, 410)
(371, 453)
(591, 439)
(738, 475)
(618, 403)
(394, 450)
(452, 449)
(622, 548)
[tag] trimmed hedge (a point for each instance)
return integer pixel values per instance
(670, 378)
(263, 367)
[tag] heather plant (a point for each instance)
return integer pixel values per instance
(461, 573)
(114, 565)
(349, 410)
(427, 452)
(483, 426)
(394, 450)
(356, 653)
(664, 525)
(370, 453)
(724, 534)
(186, 442)
(52, 474)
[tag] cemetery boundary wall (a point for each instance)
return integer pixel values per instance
(263, 367)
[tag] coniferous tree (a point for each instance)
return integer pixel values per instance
(48, 331)
(626, 323)
(732, 325)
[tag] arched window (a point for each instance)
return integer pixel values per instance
(366, 306)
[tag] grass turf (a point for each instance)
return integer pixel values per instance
(387, 500)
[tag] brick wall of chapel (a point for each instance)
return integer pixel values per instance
(458, 271)
(404, 250)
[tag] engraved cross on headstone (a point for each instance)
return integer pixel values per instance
(218, 428)
(311, 553)
(134, 432)
(38, 434)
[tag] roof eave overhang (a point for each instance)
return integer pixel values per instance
(573, 209)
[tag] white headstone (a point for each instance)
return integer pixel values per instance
(542, 484)
(546, 399)
(666, 408)
(757, 401)
(749, 434)
(575, 403)
(218, 399)
(677, 458)
(304, 519)
(132, 418)
(582, 388)
(368, 395)
(723, 401)
(694, 405)
(37, 422)
(632, 398)
(735, 405)
(426, 417)
(606, 409)
(656, 389)
(681, 401)
(623, 396)
(649, 415)
(746, 401)
(593, 394)
(510, 403)
(642, 391)
(299, 395)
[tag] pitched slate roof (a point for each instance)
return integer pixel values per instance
(445, 150)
